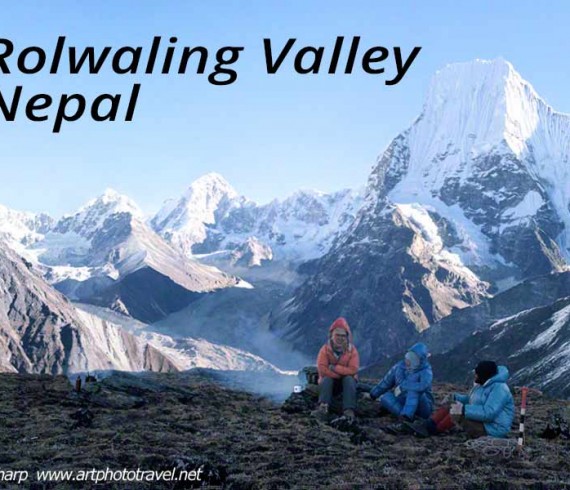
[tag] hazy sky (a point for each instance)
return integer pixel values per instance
(268, 135)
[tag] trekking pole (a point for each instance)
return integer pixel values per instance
(520, 442)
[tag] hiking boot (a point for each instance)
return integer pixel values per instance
(349, 414)
(321, 412)
(397, 428)
(345, 424)
(419, 428)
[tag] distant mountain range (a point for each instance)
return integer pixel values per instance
(464, 213)
(108, 255)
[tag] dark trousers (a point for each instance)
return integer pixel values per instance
(329, 387)
(473, 428)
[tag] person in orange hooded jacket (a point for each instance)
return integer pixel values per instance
(338, 364)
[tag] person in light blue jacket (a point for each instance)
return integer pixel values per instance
(405, 391)
(490, 402)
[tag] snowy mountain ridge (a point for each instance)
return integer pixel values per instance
(21, 228)
(108, 232)
(106, 254)
(211, 216)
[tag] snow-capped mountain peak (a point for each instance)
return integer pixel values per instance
(199, 202)
(90, 217)
(479, 104)
(183, 221)
(211, 183)
(488, 143)
(203, 198)
(111, 202)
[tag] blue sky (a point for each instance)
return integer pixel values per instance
(268, 135)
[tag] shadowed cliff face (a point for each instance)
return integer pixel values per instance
(156, 422)
(387, 279)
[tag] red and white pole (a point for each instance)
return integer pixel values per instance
(524, 392)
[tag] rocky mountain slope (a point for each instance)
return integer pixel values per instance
(534, 343)
(536, 292)
(390, 280)
(466, 202)
(41, 332)
(195, 342)
(242, 441)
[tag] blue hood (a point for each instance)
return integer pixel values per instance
(501, 377)
(421, 351)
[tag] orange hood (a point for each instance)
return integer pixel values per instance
(341, 323)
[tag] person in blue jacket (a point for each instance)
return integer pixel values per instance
(405, 391)
(488, 410)
(490, 403)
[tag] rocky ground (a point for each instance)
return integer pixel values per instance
(242, 441)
